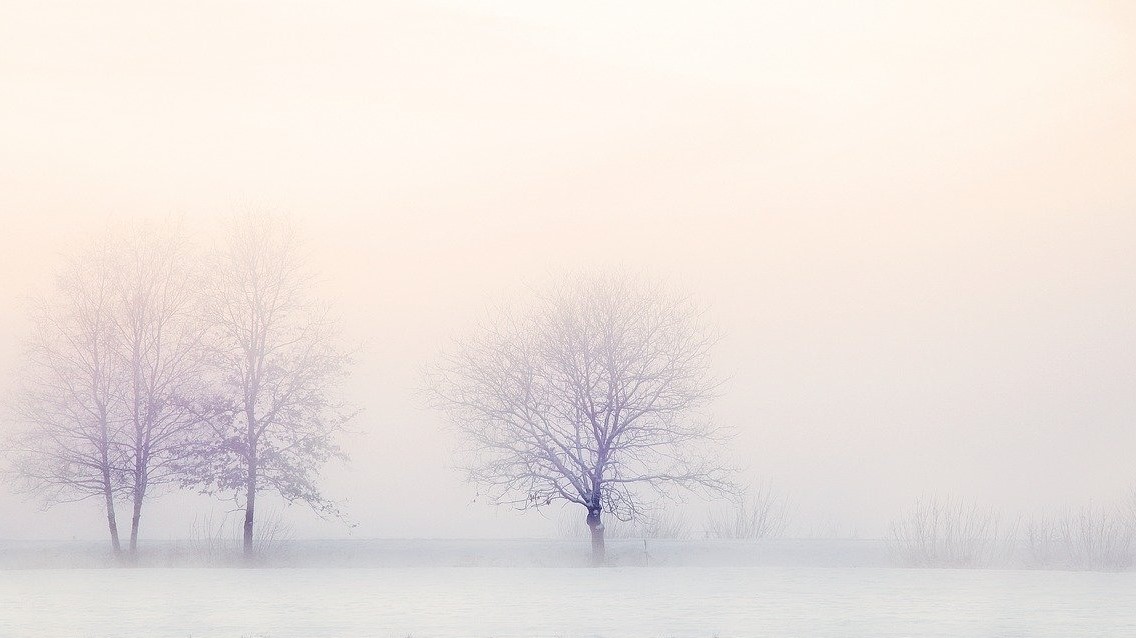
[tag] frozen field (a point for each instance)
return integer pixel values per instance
(617, 602)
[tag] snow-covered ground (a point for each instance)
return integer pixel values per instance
(464, 553)
(618, 602)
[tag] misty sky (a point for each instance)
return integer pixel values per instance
(914, 224)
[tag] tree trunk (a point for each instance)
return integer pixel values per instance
(139, 495)
(250, 475)
(108, 487)
(139, 450)
(250, 505)
(111, 522)
(597, 528)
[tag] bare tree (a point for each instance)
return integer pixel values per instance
(277, 371)
(70, 399)
(113, 369)
(590, 396)
(158, 341)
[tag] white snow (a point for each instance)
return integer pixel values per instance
(534, 588)
(529, 602)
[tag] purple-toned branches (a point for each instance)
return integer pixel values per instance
(274, 414)
(591, 395)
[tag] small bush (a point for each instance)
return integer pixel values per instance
(1089, 538)
(945, 532)
(758, 513)
(218, 540)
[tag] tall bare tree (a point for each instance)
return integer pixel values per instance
(114, 375)
(278, 369)
(158, 341)
(70, 398)
(592, 395)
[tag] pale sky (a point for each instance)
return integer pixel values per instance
(914, 222)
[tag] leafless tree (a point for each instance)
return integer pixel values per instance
(113, 368)
(158, 342)
(760, 512)
(278, 371)
(591, 395)
(70, 399)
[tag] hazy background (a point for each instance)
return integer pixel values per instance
(914, 222)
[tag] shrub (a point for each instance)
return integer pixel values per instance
(945, 532)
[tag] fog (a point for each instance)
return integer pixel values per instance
(914, 226)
